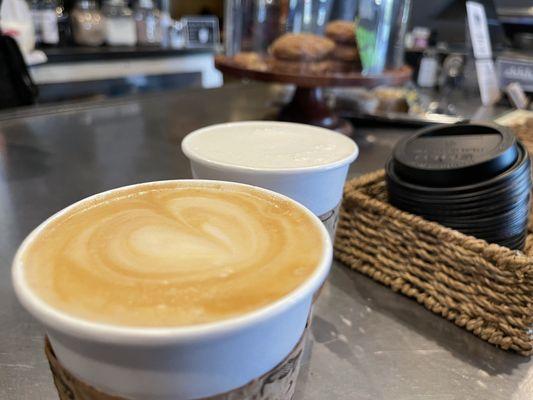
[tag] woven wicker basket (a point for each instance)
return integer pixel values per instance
(484, 288)
(524, 132)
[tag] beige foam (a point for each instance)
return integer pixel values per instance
(172, 255)
(270, 145)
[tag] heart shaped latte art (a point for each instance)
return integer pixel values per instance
(173, 254)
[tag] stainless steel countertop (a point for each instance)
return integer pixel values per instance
(369, 343)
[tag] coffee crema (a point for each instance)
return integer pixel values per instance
(173, 254)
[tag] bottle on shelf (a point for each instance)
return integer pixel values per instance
(63, 24)
(119, 23)
(148, 22)
(88, 24)
(49, 33)
(35, 9)
(429, 69)
(166, 24)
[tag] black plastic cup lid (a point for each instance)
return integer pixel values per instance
(510, 219)
(469, 211)
(455, 155)
(503, 234)
(518, 168)
(517, 243)
(493, 235)
(501, 199)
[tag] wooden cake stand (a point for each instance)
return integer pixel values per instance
(308, 104)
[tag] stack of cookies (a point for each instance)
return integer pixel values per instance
(345, 55)
(301, 53)
(306, 53)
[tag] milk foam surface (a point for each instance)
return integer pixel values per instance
(173, 254)
(270, 145)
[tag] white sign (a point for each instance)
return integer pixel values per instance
(479, 36)
(479, 31)
(488, 82)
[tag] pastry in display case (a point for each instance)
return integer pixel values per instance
(297, 52)
(277, 42)
(345, 54)
(391, 105)
(301, 52)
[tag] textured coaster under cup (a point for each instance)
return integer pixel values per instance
(277, 384)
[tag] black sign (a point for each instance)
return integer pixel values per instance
(201, 31)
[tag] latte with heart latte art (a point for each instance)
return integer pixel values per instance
(173, 253)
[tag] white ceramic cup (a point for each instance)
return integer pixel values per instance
(174, 363)
(318, 187)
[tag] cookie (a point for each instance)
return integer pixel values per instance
(301, 47)
(250, 60)
(299, 67)
(343, 67)
(341, 32)
(345, 53)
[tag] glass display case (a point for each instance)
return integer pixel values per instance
(314, 44)
(316, 36)
(252, 25)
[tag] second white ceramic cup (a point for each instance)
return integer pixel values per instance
(318, 187)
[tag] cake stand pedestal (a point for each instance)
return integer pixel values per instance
(308, 104)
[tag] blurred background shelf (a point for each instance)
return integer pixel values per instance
(86, 53)
(88, 72)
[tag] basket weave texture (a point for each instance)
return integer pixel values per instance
(484, 288)
(524, 132)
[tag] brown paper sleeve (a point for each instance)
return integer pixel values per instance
(277, 384)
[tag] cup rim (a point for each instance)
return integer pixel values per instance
(125, 335)
(191, 155)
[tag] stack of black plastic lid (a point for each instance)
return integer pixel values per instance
(474, 178)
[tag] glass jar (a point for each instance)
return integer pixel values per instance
(148, 23)
(36, 8)
(63, 24)
(381, 27)
(167, 24)
(88, 24)
(252, 25)
(49, 29)
(310, 16)
(119, 23)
